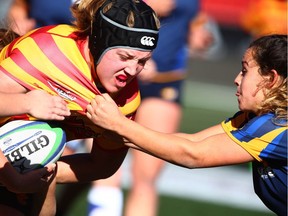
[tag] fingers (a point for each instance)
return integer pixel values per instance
(59, 109)
(59, 114)
(59, 103)
(97, 104)
(107, 97)
(47, 172)
(50, 167)
(89, 110)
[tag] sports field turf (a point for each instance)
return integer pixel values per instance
(172, 206)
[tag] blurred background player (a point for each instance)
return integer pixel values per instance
(26, 15)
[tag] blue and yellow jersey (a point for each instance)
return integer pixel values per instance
(51, 58)
(266, 141)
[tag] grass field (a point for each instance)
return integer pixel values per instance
(194, 119)
(174, 206)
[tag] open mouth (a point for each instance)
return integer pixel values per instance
(121, 80)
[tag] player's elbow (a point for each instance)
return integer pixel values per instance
(189, 159)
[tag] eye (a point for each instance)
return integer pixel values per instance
(142, 62)
(243, 71)
(123, 57)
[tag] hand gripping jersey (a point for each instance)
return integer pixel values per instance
(51, 59)
(267, 143)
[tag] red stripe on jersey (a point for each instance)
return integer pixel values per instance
(18, 57)
(58, 58)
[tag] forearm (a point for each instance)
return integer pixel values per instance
(104, 112)
(201, 135)
(8, 107)
(89, 167)
(171, 148)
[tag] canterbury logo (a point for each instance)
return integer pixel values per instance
(147, 41)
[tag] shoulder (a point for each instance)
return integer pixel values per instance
(238, 120)
(250, 123)
(60, 30)
(257, 134)
(265, 123)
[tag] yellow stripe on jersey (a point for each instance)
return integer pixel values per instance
(132, 106)
(256, 145)
(81, 65)
(37, 58)
(40, 61)
(3, 53)
(75, 57)
(63, 30)
(18, 71)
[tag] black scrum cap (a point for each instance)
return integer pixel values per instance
(109, 29)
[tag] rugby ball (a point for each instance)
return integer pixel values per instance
(30, 145)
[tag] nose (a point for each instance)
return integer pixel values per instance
(133, 68)
(237, 79)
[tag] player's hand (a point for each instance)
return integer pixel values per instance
(200, 38)
(104, 112)
(47, 107)
(32, 181)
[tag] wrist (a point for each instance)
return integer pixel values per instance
(26, 104)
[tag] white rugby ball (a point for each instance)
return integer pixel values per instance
(30, 145)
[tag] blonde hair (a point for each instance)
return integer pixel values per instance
(276, 100)
(270, 53)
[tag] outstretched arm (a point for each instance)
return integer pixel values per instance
(215, 148)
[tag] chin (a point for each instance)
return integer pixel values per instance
(243, 109)
(113, 91)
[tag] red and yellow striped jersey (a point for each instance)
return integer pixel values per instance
(51, 58)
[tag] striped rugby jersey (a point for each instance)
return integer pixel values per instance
(267, 143)
(51, 59)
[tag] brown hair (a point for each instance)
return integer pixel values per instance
(270, 53)
(6, 37)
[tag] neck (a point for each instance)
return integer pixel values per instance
(87, 56)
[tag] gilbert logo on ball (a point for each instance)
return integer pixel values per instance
(31, 144)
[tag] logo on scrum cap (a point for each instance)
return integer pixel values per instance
(110, 29)
(147, 41)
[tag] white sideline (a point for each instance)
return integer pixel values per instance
(225, 185)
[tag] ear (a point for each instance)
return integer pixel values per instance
(273, 78)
